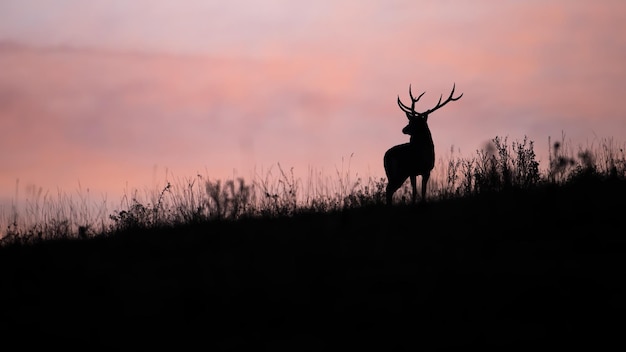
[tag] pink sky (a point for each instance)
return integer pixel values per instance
(111, 94)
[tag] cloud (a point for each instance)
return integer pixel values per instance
(70, 110)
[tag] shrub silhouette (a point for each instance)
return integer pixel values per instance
(499, 167)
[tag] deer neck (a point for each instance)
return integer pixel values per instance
(422, 141)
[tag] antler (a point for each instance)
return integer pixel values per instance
(405, 108)
(439, 104)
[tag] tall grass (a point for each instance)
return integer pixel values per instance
(498, 167)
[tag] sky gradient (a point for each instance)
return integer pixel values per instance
(109, 95)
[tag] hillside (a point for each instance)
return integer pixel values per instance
(506, 271)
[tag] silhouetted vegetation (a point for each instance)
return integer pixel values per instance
(500, 166)
(504, 255)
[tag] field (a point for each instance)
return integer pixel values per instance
(502, 257)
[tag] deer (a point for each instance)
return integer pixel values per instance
(416, 158)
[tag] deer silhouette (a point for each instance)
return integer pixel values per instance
(416, 158)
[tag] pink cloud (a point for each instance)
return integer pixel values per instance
(73, 111)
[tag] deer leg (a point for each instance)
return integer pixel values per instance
(392, 187)
(425, 178)
(414, 188)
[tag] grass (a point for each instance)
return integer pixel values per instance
(503, 256)
(277, 192)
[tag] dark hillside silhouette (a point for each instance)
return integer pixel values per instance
(511, 270)
(504, 259)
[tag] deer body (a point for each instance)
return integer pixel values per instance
(416, 158)
(409, 160)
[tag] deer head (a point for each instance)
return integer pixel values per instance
(418, 121)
